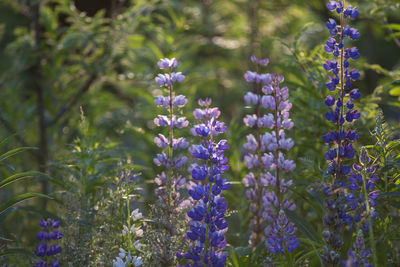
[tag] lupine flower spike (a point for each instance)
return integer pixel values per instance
(253, 182)
(132, 232)
(358, 255)
(207, 222)
(49, 237)
(266, 160)
(341, 112)
(280, 232)
(170, 182)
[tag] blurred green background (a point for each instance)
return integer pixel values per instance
(60, 55)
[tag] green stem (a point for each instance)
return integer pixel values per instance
(371, 230)
(209, 199)
(170, 148)
(129, 223)
(257, 234)
(278, 182)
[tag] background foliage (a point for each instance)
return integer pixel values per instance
(59, 55)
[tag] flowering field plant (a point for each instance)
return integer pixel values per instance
(200, 133)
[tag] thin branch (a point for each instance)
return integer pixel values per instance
(67, 107)
(253, 17)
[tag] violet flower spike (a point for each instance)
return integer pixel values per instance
(48, 246)
(207, 216)
(170, 182)
(340, 112)
(170, 160)
(358, 255)
(266, 190)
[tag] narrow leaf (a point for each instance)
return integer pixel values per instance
(18, 176)
(19, 198)
(14, 152)
(17, 251)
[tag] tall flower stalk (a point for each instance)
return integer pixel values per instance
(253, 182)
(132, 233)
(267, 188)
(207, 216)
(49, 237)
(280, 232)
(170, 181)
(340, 115)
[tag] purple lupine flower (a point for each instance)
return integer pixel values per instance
(361, 197)
(207, 222)
(166, 63)
(339, 141)
(168, 181)
(358, 255)
(264, 156)
(48, 247)
(261, 62)
(281, 235)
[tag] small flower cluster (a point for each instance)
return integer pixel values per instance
(48, 246)
(282, 233)
(358, 256)
(125, 259)
(168, 78)
(169, 183)
(341, 112)
(207, 216)
(131, 232)
(361, 197)
(265, 155)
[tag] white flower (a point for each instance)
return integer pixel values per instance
(118, 263)
(125, 230)
(137, 245)
(122, 253)
(137, 261)
(136, 215)
(137, 230)
(128, 257)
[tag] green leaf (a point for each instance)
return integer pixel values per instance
(393, 26)
(14, 152)
(18, 176)
(395, 91)
(19, 198)
(5, 140)
(154, 48)
(243, 251)
(135, 41)
(17, 251)
(390, 194)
